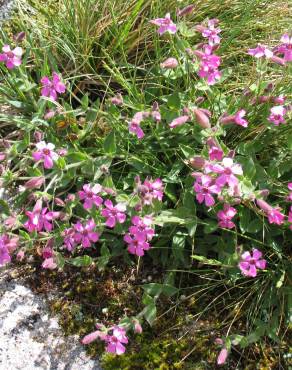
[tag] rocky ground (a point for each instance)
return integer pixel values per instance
(5, 9)
(30, 338)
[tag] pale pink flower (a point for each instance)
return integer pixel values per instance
(49, 263)
(113, 213)
(137, 327)
(98, 334)
(286, 47)
(7, 246)
(137, 242)
(89, 196)
(225, 216)
(204, 188)
(274, 214)
(35, 182)
(290, 194)
(51, 88)
(169, 63)
(165, 24)
(261, 51)
(117, 100)
(236, 118)
(178, 121)
(212, 33)
(11, 58)
(134, 125)
(250, 262)
(277, 115)
(116, 340)
(290, 218)
(45, 153)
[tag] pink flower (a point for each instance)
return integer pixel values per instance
(277, 115)
(227, 172)
(169, 63)
(88, 195)
(165, 25)
(117, 100)
(45, 153)
(39, 218)
(286, 47)
(222, 357)
(274, 214)
(51, 88)
(250, 262)
(137, 243)
(290, 194)
(290, 217)
(260, 51)
(69, 240)
(116, 340)
(209, 65)
(137, 327)
(113, 214)
(4, 251)
(142, 224)
(215, 153)
(212, 33)
(84, 234)
(238, 118)
(204, 188)
(49, 263)
(178, 121)
(225, 216)
(134, 125)
(11, 58)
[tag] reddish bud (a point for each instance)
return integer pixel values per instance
(222, 357)
(169, 63)
(201, 118)
(186, 10)
(197, 162)
(264, 205)
(35, 183)
(59, 202)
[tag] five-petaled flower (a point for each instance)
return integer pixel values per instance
(225, 216)
(113, 213)
(250, 262)
(45, 153)
(165, 24)
(116, 341)
(89, 196)
(261, 51)
(85, 234)
(51, 88)
(40, 219)
(11, 58)
(277, 115)
(204, 188)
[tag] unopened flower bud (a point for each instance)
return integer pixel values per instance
(169, 63)
(59, 202)
(38, 136)
(35, 182)
(117, 100)
(222, 357)
(264, 193)
(197, 162)
(264, 205)
(202, 118)
(186, 10)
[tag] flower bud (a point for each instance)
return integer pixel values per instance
(59, 202)
(201, 118)
(199, 100)
(38, 136)
(264, 193)
(278, 60)
(169, 63)
(222, 357)
(117, 100)
(62, 152)
(20, 255)
(279, 100)
(264, 205)
(197, 162)
(49, 114)
(19, 37)
(2, 156)
(178, 121)
(186, 10)
(35, 182)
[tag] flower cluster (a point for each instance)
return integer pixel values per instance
(135, 123)
(79, 233)
(40, 218)
(148, 191)
(209, 64)
(139, 234)
(51, 88)
(7, 246)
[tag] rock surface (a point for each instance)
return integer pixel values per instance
(30, 338)
(5, 9)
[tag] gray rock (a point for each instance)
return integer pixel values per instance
(30, 338)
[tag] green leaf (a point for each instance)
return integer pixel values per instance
(109, 144)
(103, 260)
(174, 101)
(207, 261)
(178, 245)
(149, 313)
(81, 261)
(155, 289)
(4, 207)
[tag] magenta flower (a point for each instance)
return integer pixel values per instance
(165, 24)
(11, 58)
(142, 225)
(290, 218)
(204, 188)
(40, 219)
(69, 240)
(137, 243)
(225, 216)
(113, 214)
(45, 153)
(290, 194)
(178, 121)
(169, 63)
(227, 172)
(51, 88)
(209, 65)
(85, 234)
(89, 196)
(260, 51)
(277, 115)
(215, 153)
(116, 340)
(250, 262)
